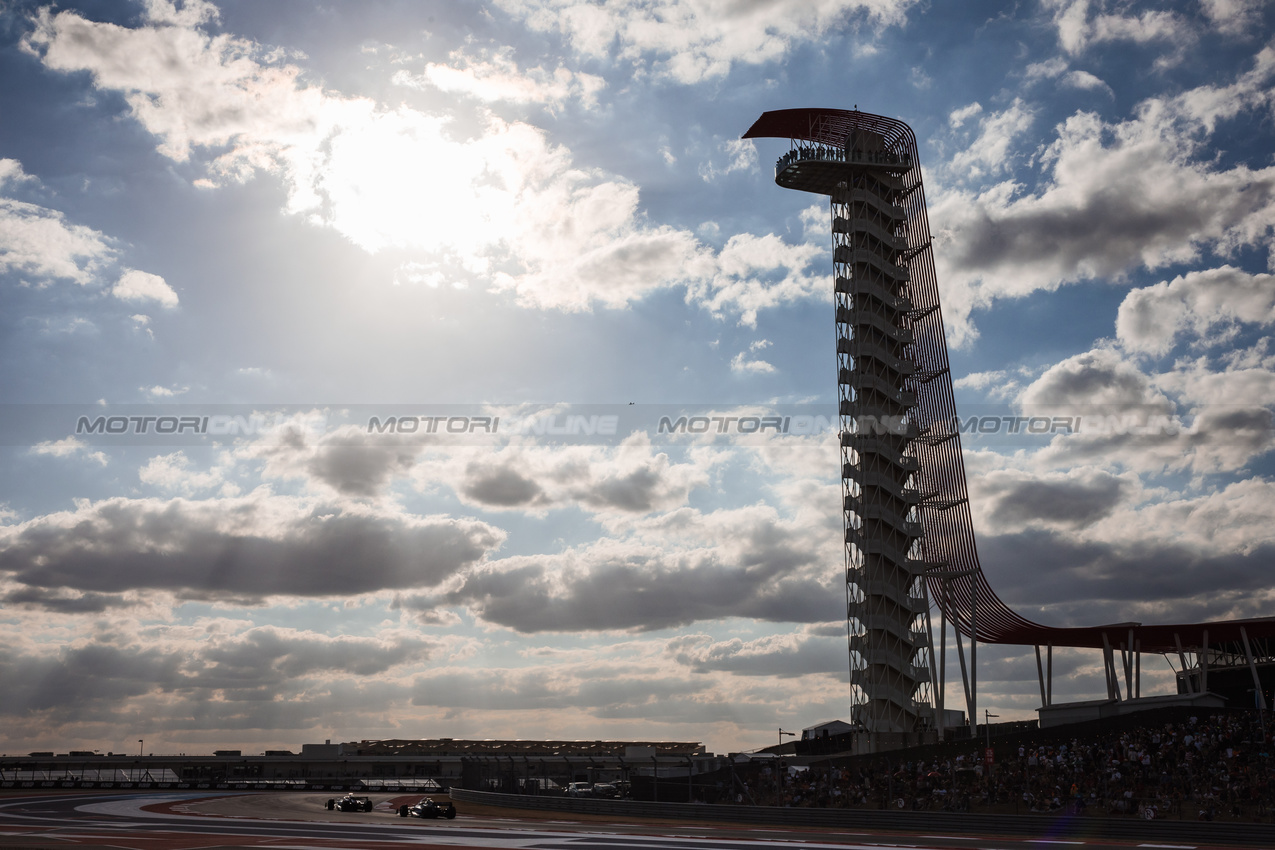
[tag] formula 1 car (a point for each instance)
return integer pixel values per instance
(427, 808)
(350, 803)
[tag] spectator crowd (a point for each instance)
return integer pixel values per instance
(1199, 768)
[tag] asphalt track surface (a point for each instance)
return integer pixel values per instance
(204, 821)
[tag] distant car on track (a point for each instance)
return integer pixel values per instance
(351, 803)
(427, 808)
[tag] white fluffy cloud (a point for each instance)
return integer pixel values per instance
(1115, 197)
(989, 153)
(494, 77)
(144, 286)
(40, 243)
(507, 205)
(692, 40)
(1084, 23)
(1151, 319)
(1187, 419)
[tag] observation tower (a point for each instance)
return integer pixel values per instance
(909, 536)
(894, 395)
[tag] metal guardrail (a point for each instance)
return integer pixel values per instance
(1030, 826)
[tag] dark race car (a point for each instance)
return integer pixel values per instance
(351, 803)
(427, 808)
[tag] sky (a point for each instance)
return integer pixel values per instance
(237, 238)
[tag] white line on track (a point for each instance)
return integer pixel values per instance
(1171, 846)
(1051, 841)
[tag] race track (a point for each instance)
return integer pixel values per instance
(176, 821)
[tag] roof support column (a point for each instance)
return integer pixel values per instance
(942, 671)
(1204, 663)
(973, 657)
(1186, 680)
(1040, 677)
(1252, 668)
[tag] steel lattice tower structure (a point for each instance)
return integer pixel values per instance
(909, 535)
(867, 165)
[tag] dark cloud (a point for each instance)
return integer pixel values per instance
(360, 470)
(628, 480)
(248, 673)
(1099, 381)
(349, 460)
(638, 491)
(264, 655)
(762, 575)
(1059, 581)
(520, 690)
(239, 548)
(500, 487)
(1072, 502)
(66, 603)
(784, 656)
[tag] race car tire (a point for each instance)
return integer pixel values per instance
(449, 814)
(331, 805)
(404, 811)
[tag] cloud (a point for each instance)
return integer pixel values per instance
(958, 117)
(11, 172)
(173, 473)
(741, 156)
(689, 41)
(989, 153)
(629, 479)
(997, 383)
(740, 363)
(1115, 197)
(518, 212)
(242, 670)
(494, 77)
(1100, 379)
(1083, 24)
(672, 570)
(347, 461)
(1048, 69)
(754, 273)
(66, 602)
(784, 655)
(1132, 419)
(1087, 81)
(1234, 17)
(39, 243)
(143, 286)
(67, 447)
(1011, 500)
(244, 548)
(1151, 319)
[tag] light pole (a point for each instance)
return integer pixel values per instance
(987, 724)
(139, 746)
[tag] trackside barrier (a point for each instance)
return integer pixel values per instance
(1029, 826)
(375, 787)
